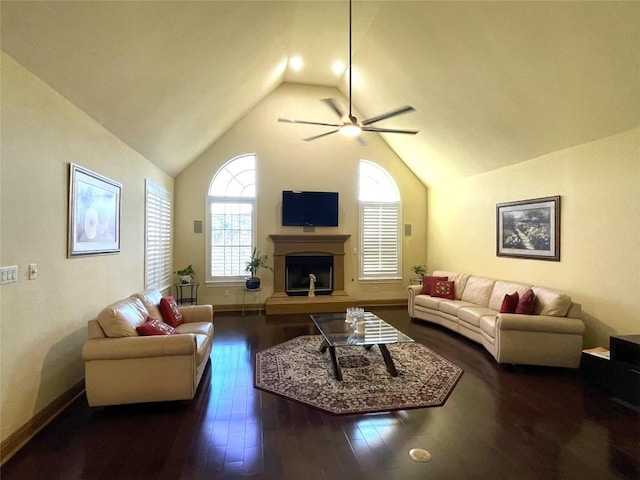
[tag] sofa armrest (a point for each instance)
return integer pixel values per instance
(196, 313)
(413, 290)
(139, 347)
(539, 323)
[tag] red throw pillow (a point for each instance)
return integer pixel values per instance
(155, 327)
(527, 303)
(427, 281)
(170, 312)
(443, 289)
(510, 303)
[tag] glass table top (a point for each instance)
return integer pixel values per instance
(337, 332)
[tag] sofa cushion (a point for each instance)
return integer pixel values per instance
(155, 327)
(501, 288)
(459, 280)
(121, 318)
(201, 328)
(478, 290)
(443, 289)
(427, 301)
(510, 303)
(170, 312)
(472, 314)
(488, 325)
(427, 282)
(151, 301)
(551, 302)
(452, 306)
(527, 304)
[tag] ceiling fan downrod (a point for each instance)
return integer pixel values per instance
(351, 117)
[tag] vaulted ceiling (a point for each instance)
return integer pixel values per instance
(493, 83)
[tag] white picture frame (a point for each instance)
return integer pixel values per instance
(94, 213)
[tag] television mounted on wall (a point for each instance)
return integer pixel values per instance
(309, 209)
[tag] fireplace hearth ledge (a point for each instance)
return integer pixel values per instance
(283, 304)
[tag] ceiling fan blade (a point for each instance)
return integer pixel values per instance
(392, 113)
(288, 120)
(333, 104)
(320, 136)
(388, 130)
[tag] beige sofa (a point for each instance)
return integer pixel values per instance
(551, 337)
(124, 367)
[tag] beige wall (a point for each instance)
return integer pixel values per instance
(286, 162)
(43, 321)
(599, 185)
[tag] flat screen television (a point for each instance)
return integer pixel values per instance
(309, 209)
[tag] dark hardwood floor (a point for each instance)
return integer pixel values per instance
(500, 422)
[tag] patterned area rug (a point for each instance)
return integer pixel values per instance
(297, 370)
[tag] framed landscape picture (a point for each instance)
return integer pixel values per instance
(529, 229)
(94, 213)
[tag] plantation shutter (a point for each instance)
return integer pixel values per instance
(232, 237)
(157, 264)
(380, 240)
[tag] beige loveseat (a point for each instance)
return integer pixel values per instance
(123, 367)
(550, 337)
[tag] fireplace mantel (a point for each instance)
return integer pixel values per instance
(296, 243)
(301, 244)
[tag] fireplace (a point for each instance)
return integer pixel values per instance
(314, 250)
(298, 269)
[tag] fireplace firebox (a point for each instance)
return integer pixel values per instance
(299, 267)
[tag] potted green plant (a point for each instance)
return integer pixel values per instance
(186, 274)
(419, 270)
(257, 261)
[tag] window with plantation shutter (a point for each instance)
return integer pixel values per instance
(379, 223)
(157, 252)
(231, 205)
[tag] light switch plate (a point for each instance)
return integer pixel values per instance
(9, 274)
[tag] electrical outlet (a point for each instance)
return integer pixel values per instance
(226, 292)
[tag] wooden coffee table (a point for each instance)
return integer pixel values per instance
(338, 333)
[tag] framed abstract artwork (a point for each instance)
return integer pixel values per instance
(529, 229)
(94, 213)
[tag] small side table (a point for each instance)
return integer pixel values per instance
(187, 293)
(256, 296)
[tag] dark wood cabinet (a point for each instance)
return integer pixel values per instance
(619, 375)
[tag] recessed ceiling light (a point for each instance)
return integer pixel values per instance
(295, 63)
(338, 68)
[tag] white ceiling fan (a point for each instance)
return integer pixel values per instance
(350, 125)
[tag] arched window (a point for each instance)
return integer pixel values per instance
(380, 256)
(231, 207)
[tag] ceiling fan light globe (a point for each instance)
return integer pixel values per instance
(350, 130)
